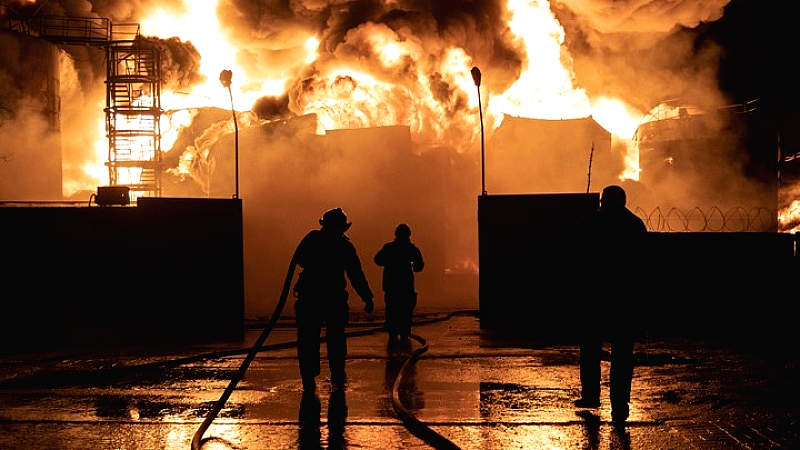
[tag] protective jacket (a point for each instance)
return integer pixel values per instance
(400, 259)
(325, 259)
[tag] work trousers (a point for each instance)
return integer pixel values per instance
(311, 316)
(621, 369)
(399, 312)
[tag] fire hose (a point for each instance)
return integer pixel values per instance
(197, 440)
(413, 424)
(416, 427)
(81, 377)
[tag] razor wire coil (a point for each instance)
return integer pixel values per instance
(714, 219)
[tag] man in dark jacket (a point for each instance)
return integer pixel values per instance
(399, 258)
(326, 256)
(609, 241)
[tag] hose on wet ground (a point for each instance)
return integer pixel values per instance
(106, 374)
(414, 425)
(197, 440)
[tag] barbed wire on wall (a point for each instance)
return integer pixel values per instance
(714, 219)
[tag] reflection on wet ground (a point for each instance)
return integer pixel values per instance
(475, 388)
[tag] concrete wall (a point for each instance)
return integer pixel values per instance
(692, 283)
(523, 270)
(167, 268)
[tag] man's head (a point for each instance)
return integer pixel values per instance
(612, 198)
(402, 232)
(335, 220)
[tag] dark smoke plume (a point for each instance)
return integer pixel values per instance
(274, 34)
(180, 63)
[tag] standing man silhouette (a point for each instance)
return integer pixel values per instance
(399, 258)
(326, 256)
(609, 241)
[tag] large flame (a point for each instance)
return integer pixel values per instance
(431, 101)
(354, 97)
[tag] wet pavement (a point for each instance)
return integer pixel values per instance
(473, 388)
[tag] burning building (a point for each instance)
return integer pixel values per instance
(370, 106)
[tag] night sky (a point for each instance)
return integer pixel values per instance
(758, 61)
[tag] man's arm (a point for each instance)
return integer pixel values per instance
(417, 263)
(381, 258)
(355, 274)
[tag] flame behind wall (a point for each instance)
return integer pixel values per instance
(377, 64)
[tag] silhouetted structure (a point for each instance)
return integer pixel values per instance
(539, 155)
(162, 270)
(133, 96)
(30, 104)
(726, 157)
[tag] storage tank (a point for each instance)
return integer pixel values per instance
(30, 109)
(724, 159)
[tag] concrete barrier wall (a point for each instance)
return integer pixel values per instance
(164, 268)
(692, 283)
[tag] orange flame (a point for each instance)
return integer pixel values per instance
(352, 97)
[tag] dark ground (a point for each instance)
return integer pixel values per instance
(477, 388)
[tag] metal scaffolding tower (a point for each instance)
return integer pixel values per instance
(133, 116)
(133, 97)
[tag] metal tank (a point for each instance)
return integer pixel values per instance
(30, 110)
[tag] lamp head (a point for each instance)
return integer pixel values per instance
(225, 78)
(476, 76)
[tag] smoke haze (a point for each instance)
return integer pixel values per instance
(642, 52)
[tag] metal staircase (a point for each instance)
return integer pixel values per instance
(133, 97)
(133, 116)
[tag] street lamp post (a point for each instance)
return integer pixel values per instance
(476, 77)
(225, 78)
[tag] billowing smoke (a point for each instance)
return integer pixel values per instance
(180, 63)
(638, 50)
(643, 52)
(651, 53)
(273, 34)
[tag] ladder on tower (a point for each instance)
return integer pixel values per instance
(133, 116)
(133, 97)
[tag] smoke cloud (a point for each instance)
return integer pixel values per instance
(639, 51)
(180, 63)
(273, 34)
(643, 16)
